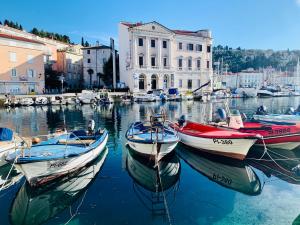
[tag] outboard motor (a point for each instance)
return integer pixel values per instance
(261, 110)
(290, 111)
(181, 121)
(91, 126)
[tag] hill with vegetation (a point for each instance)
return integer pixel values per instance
(240, 59)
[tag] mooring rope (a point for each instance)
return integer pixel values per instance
(12, 166)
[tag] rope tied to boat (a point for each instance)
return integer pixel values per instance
(9, 172)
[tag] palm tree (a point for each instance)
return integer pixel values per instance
(99, 75)
(90, 72)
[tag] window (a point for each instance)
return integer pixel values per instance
(190, 63)
(89, 60)
(190, 47)
(30, 73)
(141, 42)
(180, 63)
(198, 63)
(180, 45)
(207, 64)
(190, 84)
(165, 61)
(30, 59)
(152, 43)
(13, 57)
(180, 83)
(164, 44)
(152, 61)
(199, 48)
(88, 51)
(208, 48)
(141, 60)
(13, 72)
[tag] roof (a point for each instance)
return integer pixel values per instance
(97, 47)
(179, 32)
(18, 38)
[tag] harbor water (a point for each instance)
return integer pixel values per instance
(120, 187)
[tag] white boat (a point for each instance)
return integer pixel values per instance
(8, 143)
(71, 100)
(58, 156)
(265, 92)
(144, 97)
(277, 118)
(26, 101)
(126, 98)
(188, 96)
(88, 97)
(57, 100)
(41, 100)
(38, 205)
(11, 101)
(246, 92)
(215, 140)
(154, 138)
(173, 94)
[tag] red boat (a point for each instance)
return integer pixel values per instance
(216, 140)
(285, 136)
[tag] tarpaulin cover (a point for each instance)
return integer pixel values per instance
(6, 134)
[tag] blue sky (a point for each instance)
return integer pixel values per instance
(259, 24)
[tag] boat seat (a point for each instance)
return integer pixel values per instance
(76, 142)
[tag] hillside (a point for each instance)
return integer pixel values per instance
(239, 59)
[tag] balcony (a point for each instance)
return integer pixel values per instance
(189, 68)
(23, 78)
(142, 67)
(166, 67)
(179, 68)
(154, 67)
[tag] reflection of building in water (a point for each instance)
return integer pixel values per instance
(230, 173)
(152, 184)
(36, 206)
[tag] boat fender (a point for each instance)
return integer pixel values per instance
(222, 114)
(182, 121)
(91, 126)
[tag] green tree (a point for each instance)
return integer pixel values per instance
(90, 72)
(82, 41)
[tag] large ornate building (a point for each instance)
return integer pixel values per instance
(155, 57)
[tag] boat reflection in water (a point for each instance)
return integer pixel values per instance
(154, 185)
(281, 163)
(230, 173)
(36, 206)
(14, 177)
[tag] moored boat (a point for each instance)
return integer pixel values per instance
(215, 140)
(173, 94)
(57, 100)
(144, 97)
(154, 138)
(59, 155)
(26, 101)
(41, 100)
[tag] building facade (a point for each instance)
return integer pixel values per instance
(70, 64)
(94, 59)
(155, 57)
(22, 65)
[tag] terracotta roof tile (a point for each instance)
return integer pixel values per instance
(18, 38)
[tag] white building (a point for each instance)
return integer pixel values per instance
(94, 59)
(155, 57)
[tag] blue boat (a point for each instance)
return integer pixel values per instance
(59, 155)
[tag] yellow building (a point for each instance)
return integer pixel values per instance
(22, 65)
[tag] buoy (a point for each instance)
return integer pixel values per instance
(36, 140)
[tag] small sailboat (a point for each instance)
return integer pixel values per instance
(215, 140)
(152, 138)
(59, 155)
(144, 97)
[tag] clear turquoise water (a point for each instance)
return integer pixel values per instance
(120, 187)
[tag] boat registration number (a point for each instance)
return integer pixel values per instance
(280, 131)
(57, 164)
(222, 179)
(222, 142)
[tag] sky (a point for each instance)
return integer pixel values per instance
(250, 24)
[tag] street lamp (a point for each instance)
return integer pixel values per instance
(62, 82)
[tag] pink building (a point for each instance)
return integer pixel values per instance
(22, 65)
